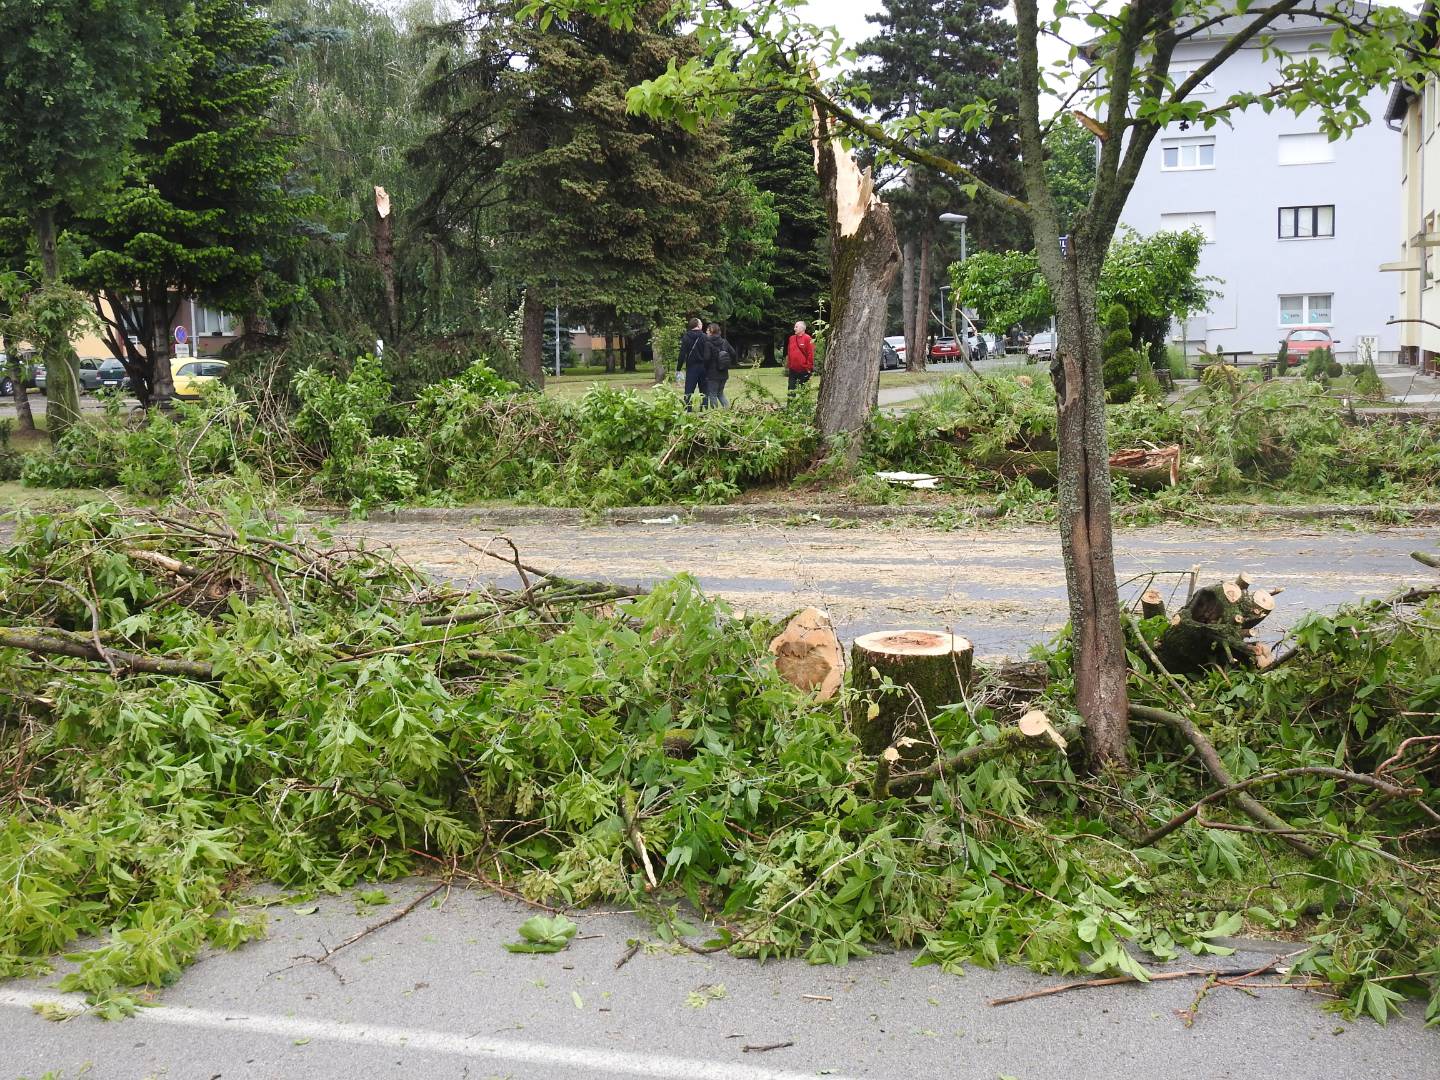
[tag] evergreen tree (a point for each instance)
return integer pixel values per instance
(782, 168)
(71, 73)
(538, 163)
(204, 209)
(930, 55)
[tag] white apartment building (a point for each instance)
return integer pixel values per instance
(1297, 226)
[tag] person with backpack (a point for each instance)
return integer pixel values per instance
(720, 357)
(693, 351)
(799, 357)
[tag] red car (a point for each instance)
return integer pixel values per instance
(1301, 342)
(945, 348)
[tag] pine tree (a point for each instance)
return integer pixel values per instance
(538, 163)
(940, 55)
(205, 209)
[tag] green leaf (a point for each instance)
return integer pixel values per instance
(544, 934)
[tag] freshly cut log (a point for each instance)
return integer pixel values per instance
(1152, 603)
(808, 654)
(935, 669)
(1211, 629)
(1145, 469)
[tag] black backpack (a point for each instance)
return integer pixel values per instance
(722, 355)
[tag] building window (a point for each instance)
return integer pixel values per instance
(1181, 154)
(1180, 73)
(1306, 309)
(212, 322)
(1311, 148)
(1203, 220)
(1306, 222)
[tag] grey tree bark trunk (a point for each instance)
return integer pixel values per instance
(532, 340)
(158, 313)
(25, 419)
(864, 258)
(62, 369)
(916, 360)
(1084, 499)
(907, 298)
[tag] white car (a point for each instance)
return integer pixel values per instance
(897, 342)
(1042, 345)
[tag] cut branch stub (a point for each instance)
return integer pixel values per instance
(932, 668)
(1211, 629)
(808, 653)
(1152, 603)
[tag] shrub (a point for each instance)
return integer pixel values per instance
(1120, 360)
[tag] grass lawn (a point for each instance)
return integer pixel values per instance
(771, 380)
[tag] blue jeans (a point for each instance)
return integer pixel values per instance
(715, 391)
(694, 380)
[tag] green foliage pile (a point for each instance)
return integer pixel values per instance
(329, 718)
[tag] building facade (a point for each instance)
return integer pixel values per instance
(1296, 226)
(1416, 116)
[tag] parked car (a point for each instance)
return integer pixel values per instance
(945, 348)
(192, 376)
(890, 359)
(113, 375)
(1042, 345)
(1299, 344)
(979, 344)
(38, 377)
(897, 342)
(7, 384)
(89, 372)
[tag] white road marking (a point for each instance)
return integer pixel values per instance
(619, 1062)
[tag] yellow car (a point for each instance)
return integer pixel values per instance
(191, 376)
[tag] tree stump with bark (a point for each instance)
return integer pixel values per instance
(1212, 629)
(932, 670)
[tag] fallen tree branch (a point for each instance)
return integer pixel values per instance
(406, 910)
(1207, 753)
(1426, 559)
(1159, 976)
(1009, 741)
(45, 645)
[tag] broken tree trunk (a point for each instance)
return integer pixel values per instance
(385, 259)
(1211, 629)
(808, 653)
(864, 257)
(932, 669)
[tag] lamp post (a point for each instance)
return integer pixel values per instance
(961, 220)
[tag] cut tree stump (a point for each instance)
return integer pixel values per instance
(1151, 603)
(808, 653)
(1212, 629)
(934, 668)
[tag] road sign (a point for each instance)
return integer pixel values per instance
(1064, 246)
(182, 351)
(181, 335)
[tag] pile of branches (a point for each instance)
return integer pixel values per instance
(200, 700)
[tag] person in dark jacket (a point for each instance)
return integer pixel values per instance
(720, 357)
(693, 352)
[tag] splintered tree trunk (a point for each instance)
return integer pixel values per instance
(915, 360)
(932, 669)
(864, 258)
(385, 259)
(1083, 495)
(532, 340)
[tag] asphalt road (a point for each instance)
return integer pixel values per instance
(435, 995)
(1001, 586)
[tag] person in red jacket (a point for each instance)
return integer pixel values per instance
(799, 357)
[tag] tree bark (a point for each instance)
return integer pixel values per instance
(532, 340)
(385, 259)
(916, 360)
(25, 419)
(158, 313)
(1084, 499)
(62, 369)
(907, 298)
(864, 258)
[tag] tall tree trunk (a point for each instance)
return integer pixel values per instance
(1084, 502)
(385, 259)
(915, 361)
(864, 258)
(657, 361)
(23, 416)
(907, 298)
(159, 312)
(62, 369)
(532, 339)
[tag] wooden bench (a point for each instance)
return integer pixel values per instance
(1267, 365)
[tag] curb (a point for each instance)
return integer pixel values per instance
(780, 513)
